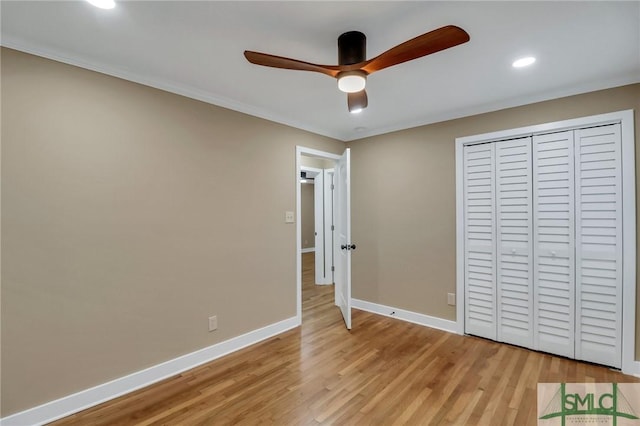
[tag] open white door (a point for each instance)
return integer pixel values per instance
(343, 245)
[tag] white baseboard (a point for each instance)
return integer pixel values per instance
(87, 398)
(409, 316)
(308, 250)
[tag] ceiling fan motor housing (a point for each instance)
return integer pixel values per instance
(352, 48)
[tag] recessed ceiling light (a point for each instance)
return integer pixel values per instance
(523, 62)
(103, 4)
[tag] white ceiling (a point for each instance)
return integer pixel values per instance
(196, 49)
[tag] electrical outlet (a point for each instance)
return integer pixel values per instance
(288, 217)
(213, 323)
(451, 299)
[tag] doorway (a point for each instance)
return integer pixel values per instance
(318, 165)
(316, 187)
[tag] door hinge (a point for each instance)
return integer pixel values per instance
(333, 228)
(332, 186)
(333, 268)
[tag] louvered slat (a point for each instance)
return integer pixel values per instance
(553, 243)
(479, 255)
(514, 251)
(598, 245)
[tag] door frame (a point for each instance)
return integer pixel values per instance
(301, 150)
(625, 118)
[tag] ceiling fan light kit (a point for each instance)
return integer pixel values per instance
(353, 67)
(352, 81)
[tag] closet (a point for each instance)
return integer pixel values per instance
(542, 235)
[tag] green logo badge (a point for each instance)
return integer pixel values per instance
(588, 403)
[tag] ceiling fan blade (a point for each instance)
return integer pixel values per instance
(290, 64)
(357, 101)
(426, 44)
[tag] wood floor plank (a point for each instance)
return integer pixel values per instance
(383, 372)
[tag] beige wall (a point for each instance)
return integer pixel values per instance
(129, 216)
(403, 200)
(307, 215)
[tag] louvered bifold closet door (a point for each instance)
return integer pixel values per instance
(514, 242)
(599, 245)
(553, 243)
(480, 243)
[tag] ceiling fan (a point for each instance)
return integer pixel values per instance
(353, 68)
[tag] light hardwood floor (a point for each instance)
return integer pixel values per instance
(383, 372)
